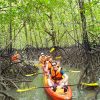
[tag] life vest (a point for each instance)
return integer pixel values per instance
(56, 75)
(15, 57)
(49, 65)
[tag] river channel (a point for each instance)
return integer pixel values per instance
(40, 94)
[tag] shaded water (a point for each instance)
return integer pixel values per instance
(40, 94)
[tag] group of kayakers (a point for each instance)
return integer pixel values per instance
(57, 78)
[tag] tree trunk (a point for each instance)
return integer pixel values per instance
(53, 37)
(35, 36)
(41, 39)
(88, 73)
(84, 30)
(14, 36)
(73, 20)
(10, 31)
(25, 28)
(91, 12)
(31, 39)
(51, 32)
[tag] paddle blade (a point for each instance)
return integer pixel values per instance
(52, 49)
(59, 57)
(31, 74)
(38, 65)
(73, 71)
(24, 90)
(90, 84)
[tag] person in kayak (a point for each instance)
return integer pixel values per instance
(57, 78)
(16, 57)
(42, 59)
(48, 64)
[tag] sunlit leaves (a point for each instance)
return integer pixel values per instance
(2, 5)
(12, 0)
(37, 13)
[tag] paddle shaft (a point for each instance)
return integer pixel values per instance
(23, 90)
(42, 73)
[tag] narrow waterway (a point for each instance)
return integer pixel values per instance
(40, 94)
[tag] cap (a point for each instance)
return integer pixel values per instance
(54, 64)
(42, 53)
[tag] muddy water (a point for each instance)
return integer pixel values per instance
(40, 94)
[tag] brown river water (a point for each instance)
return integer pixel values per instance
(40, 94)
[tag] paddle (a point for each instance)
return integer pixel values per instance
(37, 65)
(34, 87)
(33, 74)
(58, 57)
(90, 84)
(52, 49)
(73, 71)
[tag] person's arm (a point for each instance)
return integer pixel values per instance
(49, 74)
(47, 62)
(46, 67)
(39, 59)
(65, 79)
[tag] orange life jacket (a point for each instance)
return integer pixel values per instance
(15, 57)
(42, 60)
(56, 75)
(49, 65)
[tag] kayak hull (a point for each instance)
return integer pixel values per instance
(57, 95)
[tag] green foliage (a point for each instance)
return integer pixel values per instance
(36, 14)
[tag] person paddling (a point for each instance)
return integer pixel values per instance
(48, 64)
(58, 78)
(42, 59)
(16, 57)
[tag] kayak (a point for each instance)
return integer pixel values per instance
(59, 94)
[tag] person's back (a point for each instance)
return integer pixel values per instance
(49, 62)
(42, 59)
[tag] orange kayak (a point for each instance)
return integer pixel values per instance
(59, 94)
